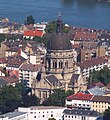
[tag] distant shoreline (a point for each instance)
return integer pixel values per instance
(103, 0)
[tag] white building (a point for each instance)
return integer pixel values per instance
(43, 112)
(78, 114)
(79, 100)
(88, 66)
(28, 71)
(14, 116)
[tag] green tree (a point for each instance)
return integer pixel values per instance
(69, 92)
(57, 98)
(12, 97)
(30, 20)
(51, 119)
(43, 39)
(103, 76)
(52, 27)
(30, 100)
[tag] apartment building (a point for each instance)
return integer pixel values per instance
(100, 103)
(28, 71)
(14, 116)
(78, 114)
(88, 66)
(79, 100)
(43, 112)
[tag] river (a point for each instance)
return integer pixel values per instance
(81, 13)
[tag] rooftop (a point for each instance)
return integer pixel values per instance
(36, 32)
(90, 63)
(80, 96)
(96, 91)
(81, 112)
(101, 99)
(45, 107)
(12, 114)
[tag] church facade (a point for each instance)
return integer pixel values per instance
(60, 64)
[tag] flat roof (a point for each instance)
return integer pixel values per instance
(45, 107)
(12, 114)
(81, 112)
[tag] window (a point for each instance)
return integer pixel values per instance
(43, 116)
(60, 65)
(66, 64)
(51, 115)
(34, 116)
(54, 64)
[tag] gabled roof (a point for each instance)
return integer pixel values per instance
(99, 84)
(101, 99)
(36, 32)
(108, 86)
(53, 80)
(80, 96)
(30, 67)
(90, 63)
(9, 79)
(74, 79)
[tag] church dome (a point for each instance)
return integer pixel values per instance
(59, 41)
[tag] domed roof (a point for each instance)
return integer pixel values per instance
(59, 41)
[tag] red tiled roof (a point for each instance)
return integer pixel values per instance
(80, 96)
(36, 32)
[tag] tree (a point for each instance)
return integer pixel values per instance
(107, 114)
(52, 27)
(9, 99)
(43, 39)
(30, 20)
(103, 76)
(57, 98)
(51, 119)
(12, 97)
(31, 100)
(69, 92)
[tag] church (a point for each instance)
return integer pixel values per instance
(60, 70)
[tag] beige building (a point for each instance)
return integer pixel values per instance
(44, 86)
(100, 103)
(61, 57)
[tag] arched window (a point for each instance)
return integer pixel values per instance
(54, 64)
(60, 65)
(66, 64)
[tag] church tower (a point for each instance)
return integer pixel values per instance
(60, 55)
